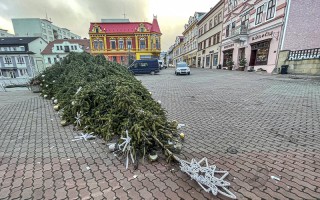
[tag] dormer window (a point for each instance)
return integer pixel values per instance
(97, 30)
(141, 29)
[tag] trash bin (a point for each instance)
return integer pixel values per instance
(284, 69)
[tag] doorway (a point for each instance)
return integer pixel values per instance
(253, 57)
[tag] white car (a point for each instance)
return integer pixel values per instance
(182, 68)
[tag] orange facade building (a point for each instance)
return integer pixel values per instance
(120, 39)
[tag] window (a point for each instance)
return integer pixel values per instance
(205, 28)
(121, 44)
(54, 60)
(259, 15)
(142, 44)
(245, 20)
(113, 44)
(22, 48)
(49, 60)
(7, 60)
(235, 3)
(233, 25)
(42, 24)
(215, 20)
(75, 47)
(141, 29)
(157, 43)
(210, 24)
(230, 5)
(20, 60)
(44, 30)
(271, 9)
(220, 17)
(49, 27)
(214, 40)
(218, 37)
(129, 44)
(114, 58)
(101, 44)
(71, 47)
(227, 30)
(97, 30)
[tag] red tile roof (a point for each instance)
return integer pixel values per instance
(126, 27)
(85, 43)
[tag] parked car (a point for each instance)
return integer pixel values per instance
(160, 64)
(144, 67)
(182, 68)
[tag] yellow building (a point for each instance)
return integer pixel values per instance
(120, 39)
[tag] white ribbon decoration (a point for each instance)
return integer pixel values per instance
(85, 137)
(127, 149)
(78, 121)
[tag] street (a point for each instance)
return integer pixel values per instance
(263, 129)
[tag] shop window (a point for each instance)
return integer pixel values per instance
(259, 15)
(261, 52)
(271, 9)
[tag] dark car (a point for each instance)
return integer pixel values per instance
(144, 67)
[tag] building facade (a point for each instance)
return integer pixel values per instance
(59, 49)
(36, 27)
(170, 56)
(209, 37)
(190, 35)
(4, 33)
(122, 41)
(252, 31)
(178, 50)
(20, 56)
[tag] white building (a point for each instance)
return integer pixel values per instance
(58, 49)
(178, 50)
(4, 33)
(36, 27)
(209, 37)
(20, 56)
(190, 35)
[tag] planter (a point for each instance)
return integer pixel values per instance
(35, 88)
(241, 68)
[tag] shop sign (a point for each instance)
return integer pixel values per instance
(266, 34)
(228, 46)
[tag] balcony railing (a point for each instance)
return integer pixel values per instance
(304, 54)
(241, 30)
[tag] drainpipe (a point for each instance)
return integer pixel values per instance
(283, 31)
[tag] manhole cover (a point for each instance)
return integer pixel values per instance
(232, 150)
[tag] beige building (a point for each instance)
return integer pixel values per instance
(209, 37)
(178, 50)
(190, 35)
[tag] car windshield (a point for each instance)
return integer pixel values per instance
(182, 65)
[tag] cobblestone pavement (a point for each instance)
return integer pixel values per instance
(254, 126)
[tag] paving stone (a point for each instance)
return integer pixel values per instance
(271, 121)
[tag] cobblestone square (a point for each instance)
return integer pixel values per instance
(255, 126)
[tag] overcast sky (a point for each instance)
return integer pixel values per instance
(76, 15)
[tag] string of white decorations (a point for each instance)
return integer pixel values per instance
(78, 90)
(85, 137)
(127, 149)
(78, 119)
(205, 176)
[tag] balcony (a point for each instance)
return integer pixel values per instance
(239, 34)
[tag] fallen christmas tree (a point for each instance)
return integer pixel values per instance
(109, 100)
(103, 98)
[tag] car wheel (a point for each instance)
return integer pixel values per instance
(188, 73)
(152, 73)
